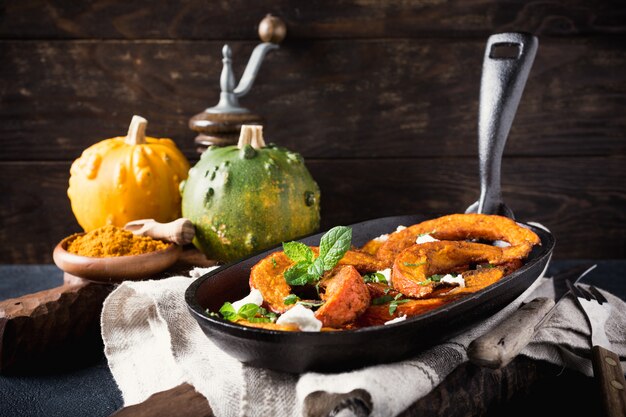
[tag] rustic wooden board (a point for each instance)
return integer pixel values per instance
(325, 99)
(581, 199)
(237, 19)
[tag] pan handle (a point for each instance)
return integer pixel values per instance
(506, 64)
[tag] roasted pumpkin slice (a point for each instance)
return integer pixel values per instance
(379, 314)
(267, 277)
(345, 297)
(460, 227)
(414, 268)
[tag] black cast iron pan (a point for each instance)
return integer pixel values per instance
(502, 84)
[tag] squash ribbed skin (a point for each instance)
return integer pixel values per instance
(113, 182)
(245, 200)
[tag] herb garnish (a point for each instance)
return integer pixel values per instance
(393, 301)
(308, 270)
(250, 312)
(431, 279)
(426, 234)
(273, 262)
(485, 266)
(375, 277)
(291, 299)
(294, 299)
(394, 304)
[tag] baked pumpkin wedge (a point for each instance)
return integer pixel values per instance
(345, 296)
(459, 227)
(415, 267)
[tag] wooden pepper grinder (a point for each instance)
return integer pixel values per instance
(220, 125)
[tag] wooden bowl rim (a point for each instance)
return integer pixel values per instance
(77, 265)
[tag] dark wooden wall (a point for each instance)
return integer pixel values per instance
(381, 98)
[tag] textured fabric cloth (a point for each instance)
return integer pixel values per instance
(152, 343)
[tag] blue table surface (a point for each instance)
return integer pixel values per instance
(91, 390)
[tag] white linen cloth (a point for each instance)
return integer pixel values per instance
(152, 343)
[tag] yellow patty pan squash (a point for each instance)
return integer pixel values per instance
(127, 178)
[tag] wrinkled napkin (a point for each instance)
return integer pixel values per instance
(152, 343)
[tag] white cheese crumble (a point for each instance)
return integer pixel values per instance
(452, 279)
(501, 244)
(381, 238)
(254, 297)
(423, 238)
(302, 317)
(387, 274)
(400, 228)
(396, 320)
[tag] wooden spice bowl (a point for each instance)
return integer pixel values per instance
(114, 269)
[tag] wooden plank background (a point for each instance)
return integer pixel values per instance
(381, 98)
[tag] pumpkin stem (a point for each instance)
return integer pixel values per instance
(251, 135)
(137, 131)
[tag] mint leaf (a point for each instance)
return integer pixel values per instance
(393, 306)
(290, 299)
(228, 312)
(298, 251)
(382, 300)
(248, 311)
(375, 277)
(316, 268)
(334, 244)
(311, 303)
(298, 274)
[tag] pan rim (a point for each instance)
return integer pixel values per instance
(238, 330)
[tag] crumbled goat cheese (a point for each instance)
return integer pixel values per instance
(425, 238)
(451, 279)
(400, 228)
(381, 238)
(302, 317)
(396, 320)
(501, 244)
(254, 297)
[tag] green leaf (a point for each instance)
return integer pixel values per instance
(228, 312)
(248, 311)
(290, 299)
(334, 244)
(298, 275)
(382, 300)
(375, 277)
(316, 269)
(298, 251)
(273, 262)
(435, 278)
(393, 306)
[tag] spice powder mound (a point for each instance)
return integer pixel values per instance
(110, 241)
